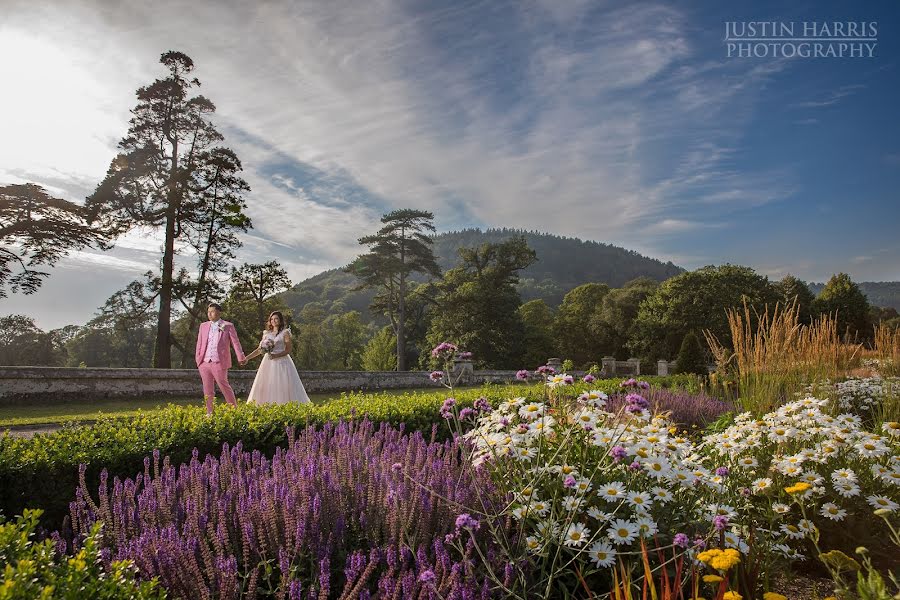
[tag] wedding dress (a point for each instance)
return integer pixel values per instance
(277, 380)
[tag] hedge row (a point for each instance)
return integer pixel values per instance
(42, 472)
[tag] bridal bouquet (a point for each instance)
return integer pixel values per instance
(267, 346)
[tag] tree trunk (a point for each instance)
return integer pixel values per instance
(162, 354)
(401, 307)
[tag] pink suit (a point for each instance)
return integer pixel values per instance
(212, 372)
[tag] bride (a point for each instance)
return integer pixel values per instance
(277, 380)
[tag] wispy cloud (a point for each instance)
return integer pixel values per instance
(832, 98)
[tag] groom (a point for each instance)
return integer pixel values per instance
(214, 356)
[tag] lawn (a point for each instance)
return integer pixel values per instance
(61, 412)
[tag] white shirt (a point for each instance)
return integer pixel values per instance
(212, 342)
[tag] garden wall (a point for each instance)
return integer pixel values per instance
(25, 384)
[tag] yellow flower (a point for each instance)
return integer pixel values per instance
(711, 579)
(725, 560)
(773, 596)
(798, 488)
(732, 596)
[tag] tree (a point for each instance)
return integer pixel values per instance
(37, 229)
(793, 290)
(695, 301)
(24, 343)
(310, 348)
(571, 330)
(216, 219)
(398, 250)
(612, 321)
(122, 332)
(478, 303)
(159, 177)
(346, 339)
(537, 343)
(380, 352)
(691, 358)
(842, 297)
(259, 283)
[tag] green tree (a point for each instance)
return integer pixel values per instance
(217, 217)
(571, 330)
(611, 323)
(37, 230)
(310, 347)
(122, 332)
(161, 174)
(346, 340)
(843, 297)
(398, 250)
(696, 301)
(478, 303)
(537, 344)
(691, 358)
(380, 352)
(22, 342)
(791, 289)
(258, 284)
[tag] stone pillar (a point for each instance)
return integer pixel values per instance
(635, 365)
(608, 366)
(662, 368)
(463, 370)
(556, 363)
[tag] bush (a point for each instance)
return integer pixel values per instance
(690, 357)
(38, 570)
(345, 507)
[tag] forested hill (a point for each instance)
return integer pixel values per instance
(879, 293)
(563, 263)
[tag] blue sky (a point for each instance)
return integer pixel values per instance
(620, 122)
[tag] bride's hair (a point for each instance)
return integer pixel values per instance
(281, 323)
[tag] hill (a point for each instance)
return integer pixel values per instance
(563, 263)
(885, 294)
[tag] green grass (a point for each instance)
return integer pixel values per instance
(65, 412)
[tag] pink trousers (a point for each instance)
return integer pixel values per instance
(212, 374)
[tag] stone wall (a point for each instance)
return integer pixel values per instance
(28, 384)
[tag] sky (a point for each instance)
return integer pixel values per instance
(622, 122)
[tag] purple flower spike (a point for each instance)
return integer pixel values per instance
(681, 540)
(427, 577)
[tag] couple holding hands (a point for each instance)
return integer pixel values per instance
(277, 380)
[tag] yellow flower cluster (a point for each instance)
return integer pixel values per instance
(773, 596)
(720, 560)
(798, 488)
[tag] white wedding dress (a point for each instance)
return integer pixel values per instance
(277, 380)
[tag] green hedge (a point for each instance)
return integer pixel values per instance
(42, 472)
(35, 569)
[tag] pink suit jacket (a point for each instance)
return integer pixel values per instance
(224, 351)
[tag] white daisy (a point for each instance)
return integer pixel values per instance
(884, 502)
(612, 491)
(622, 531)
(602, 554)
(833, 511)
(576, 534)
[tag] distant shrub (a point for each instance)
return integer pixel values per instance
(691, 358)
